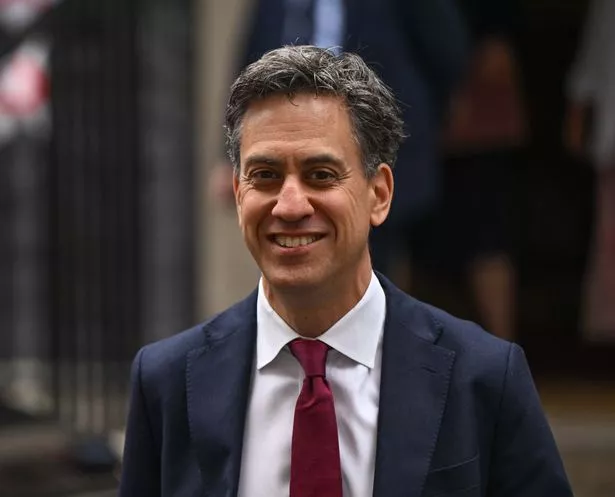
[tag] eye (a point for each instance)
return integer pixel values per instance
(263, 175)
(321, 175)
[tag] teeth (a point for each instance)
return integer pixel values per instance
(294, 241)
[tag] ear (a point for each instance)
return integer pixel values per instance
(237, 195)
(381, 185)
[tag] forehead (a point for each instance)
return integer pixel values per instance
(301, 121)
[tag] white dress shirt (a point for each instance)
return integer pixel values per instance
(329, 24)
(319, 22)
(353, 372)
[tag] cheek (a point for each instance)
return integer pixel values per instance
(251, 211)
(351, 214)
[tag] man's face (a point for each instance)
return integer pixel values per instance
(305, 206)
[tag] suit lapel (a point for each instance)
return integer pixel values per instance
(217, 385)
(413, 392)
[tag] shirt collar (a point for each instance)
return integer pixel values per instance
(356, 335)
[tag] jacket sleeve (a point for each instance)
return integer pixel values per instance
(141, 461)
(524, 458)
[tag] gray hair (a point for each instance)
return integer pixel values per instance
(374, 113)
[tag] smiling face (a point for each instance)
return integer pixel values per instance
(304, 203)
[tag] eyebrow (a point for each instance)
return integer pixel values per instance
(262, 159)
(324, 158)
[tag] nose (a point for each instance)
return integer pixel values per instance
(293, 203)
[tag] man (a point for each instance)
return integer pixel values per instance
(417, 47)
(329, 381)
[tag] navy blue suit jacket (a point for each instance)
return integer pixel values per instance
(459, 414)
(419, 48)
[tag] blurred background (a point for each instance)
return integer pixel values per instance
(117, 228)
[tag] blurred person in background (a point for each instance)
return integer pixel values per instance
(590, 127)
(418, 47)
(484, 138)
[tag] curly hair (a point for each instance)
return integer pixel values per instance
(374, 113)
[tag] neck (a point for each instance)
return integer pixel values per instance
(311, 312)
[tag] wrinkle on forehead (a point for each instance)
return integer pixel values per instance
(322, 121)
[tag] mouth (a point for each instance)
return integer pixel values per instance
(285, 241)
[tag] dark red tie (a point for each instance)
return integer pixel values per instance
(315, 469)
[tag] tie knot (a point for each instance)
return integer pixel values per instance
(311, 354)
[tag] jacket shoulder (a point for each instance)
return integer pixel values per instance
(481, 358)
(169, 354)
(460, 334)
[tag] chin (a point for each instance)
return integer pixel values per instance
(292, 278)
